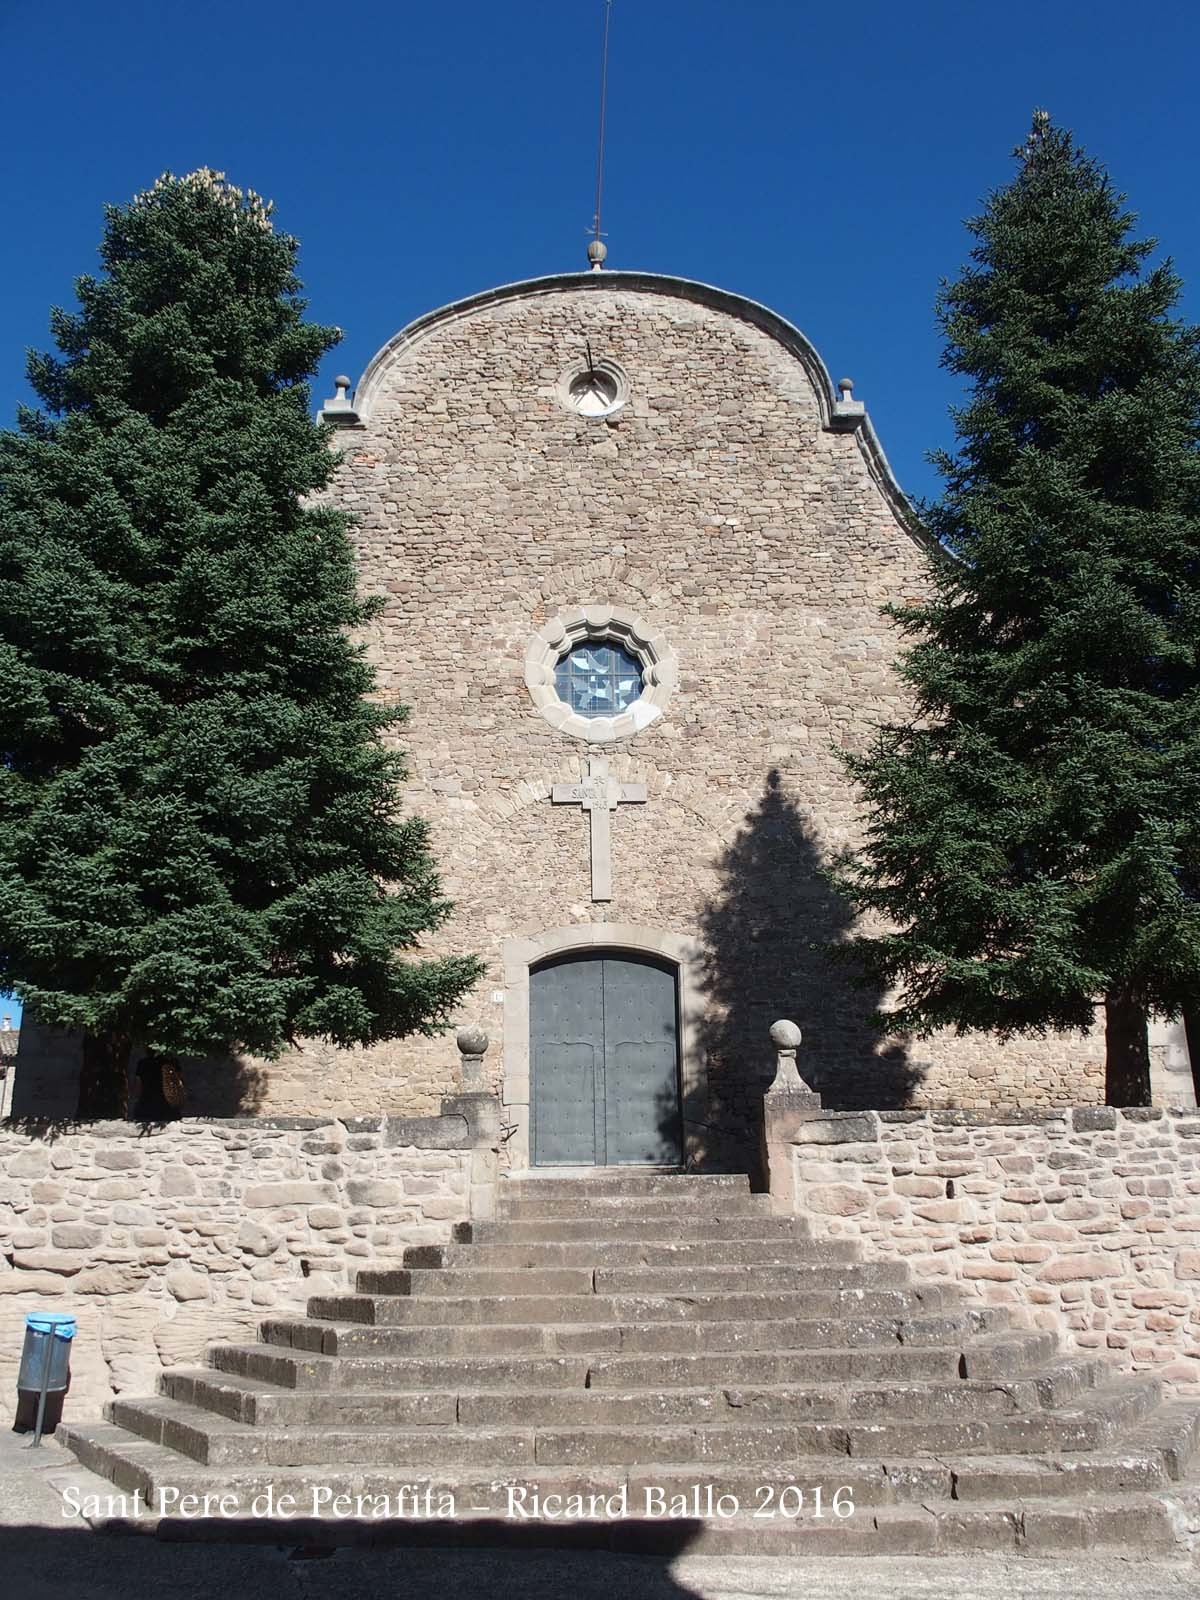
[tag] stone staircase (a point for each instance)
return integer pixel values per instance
(630, 1333)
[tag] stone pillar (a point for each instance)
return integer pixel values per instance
(481, 1108)
(787, 1103)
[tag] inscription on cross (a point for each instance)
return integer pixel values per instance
(599, 795)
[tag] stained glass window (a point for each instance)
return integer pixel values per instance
(598, 679)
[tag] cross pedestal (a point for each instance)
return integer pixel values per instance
(599, 795)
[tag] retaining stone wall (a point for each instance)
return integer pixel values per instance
(1086, 1220)
(163, 1239)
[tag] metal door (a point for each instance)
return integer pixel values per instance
(604, 1055)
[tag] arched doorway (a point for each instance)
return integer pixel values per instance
(524, 954)
(604, 1060)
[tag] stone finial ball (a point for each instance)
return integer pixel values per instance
(597, 251)
(785, 1035)
(472, 1041)
(341, 381)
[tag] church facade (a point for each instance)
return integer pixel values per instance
(634, 551)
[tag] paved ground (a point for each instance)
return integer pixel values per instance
(45, 1555)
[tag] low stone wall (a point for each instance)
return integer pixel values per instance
(162, 1239)
(1087, 1221)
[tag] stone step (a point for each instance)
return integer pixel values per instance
(447, 1311)
(252, 1401)
(1137, 1525)
(472, 1403)
(758, 1254)
(901, 1480)
(1093, 1425)
(899, 1508)
(902, 1363)
(738, 1403)
(132, 1462)
(1005, 1351)
(797, 1276)
(300, 1371)
(482, 1440)
(614, 1226)
(1094, 1422)
(1050, 1477)
(529, 1205)
(287, 1370)
(786, 1367)
(347, 1339)
(464, 1282)
(859, 1385)
(460, 1281)
(216, 1441)
(1171, 1431)
(624, 1181)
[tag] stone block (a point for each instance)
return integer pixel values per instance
(321, 1217)
(1094, 1119)
(297, 1193)
(257, 1240)
(33, 1283)
(31, 1163)
(176, 1181)
(839, 1128)
(75, 1236)
(116, 1189)
(1079, 1269)
(837, 1199)
(118, 1160)
(426, 1133)
(186, 1284)
(374, 1192)
(926, 1188)
(940, 1211)
(48, 1261)
(109, 1280)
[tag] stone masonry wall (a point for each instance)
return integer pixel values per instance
(1087, 1221)
(161, 1240)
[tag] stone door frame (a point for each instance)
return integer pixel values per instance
(522, 954)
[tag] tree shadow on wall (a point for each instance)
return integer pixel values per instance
(47, 1068)
(223, 1086)
(764, 958)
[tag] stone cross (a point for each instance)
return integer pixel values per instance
(599, 794)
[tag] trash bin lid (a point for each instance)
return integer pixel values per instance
(51, 1322)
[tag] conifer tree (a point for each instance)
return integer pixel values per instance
(1034, 830)
(199, 844)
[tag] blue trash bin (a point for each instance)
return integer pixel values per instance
(45, 1359)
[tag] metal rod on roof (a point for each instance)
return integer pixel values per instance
(603, 108)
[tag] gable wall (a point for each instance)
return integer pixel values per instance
(717, 508)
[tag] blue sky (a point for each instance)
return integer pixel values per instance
(818, 158)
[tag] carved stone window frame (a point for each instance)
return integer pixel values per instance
(660, 671)
(608, 369)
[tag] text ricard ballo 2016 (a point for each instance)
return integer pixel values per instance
(517, 1502)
